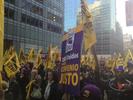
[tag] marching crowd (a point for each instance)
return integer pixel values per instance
(42, 83)
(111, 85)
(32, 84)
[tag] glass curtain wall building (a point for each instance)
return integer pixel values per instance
(108, 30)
(33, 23)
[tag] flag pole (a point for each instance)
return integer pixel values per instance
(1, 31)
(1, 45)
(97, 70)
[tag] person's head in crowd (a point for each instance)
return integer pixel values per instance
(51, 75)
(81, 76)
(130, 67)
(86, 75)
(57, 63)
(22, 72)
(12, 77)
(34, 72)
(41, 71)
(38, 78)
(119, 71)
(90, 92)
(30, 65)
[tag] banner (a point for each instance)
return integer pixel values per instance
(70, 63)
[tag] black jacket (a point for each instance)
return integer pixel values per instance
(54, 91)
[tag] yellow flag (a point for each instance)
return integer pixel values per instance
(31, 55)
(128, 57)
(108, 62)
(5, 54)
(119, 61)
(92, 62)
(28, 89)
(39, 59)
(8, 54)
(12, 65)
(55, 53)
(17, 61)
(89, 33)
(9, 59)
(1, 31)
(0, 81)
(48, 63)
(22, 57)
(10, 69)
(40, 51)
(113, 63)
(11, 51)
(4, 59)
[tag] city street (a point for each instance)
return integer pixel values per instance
(66, 49)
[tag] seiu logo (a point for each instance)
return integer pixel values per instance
(69, 43)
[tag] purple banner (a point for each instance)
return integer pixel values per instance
(70, 63)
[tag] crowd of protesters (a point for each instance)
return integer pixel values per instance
(30, 83)
(116, 84)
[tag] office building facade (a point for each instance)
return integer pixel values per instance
(33, 23)
(129, 14)
(108, 30)
(127, 42)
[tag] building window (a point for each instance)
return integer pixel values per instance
(37, 10)
(53, 28)
(9, 13)
(7, 44)
(32, 7)
(40, 1)
(54, 18)
(23, 18)
(40, 24)
(11, 1)
(31, 21)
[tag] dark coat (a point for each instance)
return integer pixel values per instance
(23, 81)
(13, 91)
(54, 91)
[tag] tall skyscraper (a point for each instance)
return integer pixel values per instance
(108, 30)
(128, 42)
(33, 23)
(129, 13)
